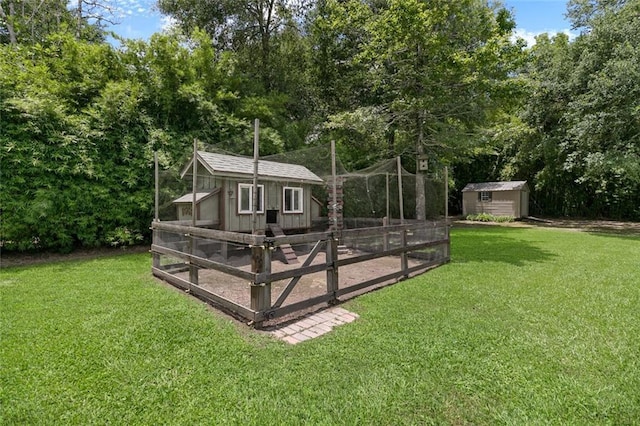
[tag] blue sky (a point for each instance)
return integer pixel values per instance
(139, 19)
(534, 17)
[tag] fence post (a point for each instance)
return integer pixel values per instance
(193, 269)
(155, 256)
(261, 292)
(404, 260)
(447, 248)
(156, 175)
(332, 266)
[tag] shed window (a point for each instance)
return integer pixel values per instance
(245, 198)
(484, 196)
(292, 200)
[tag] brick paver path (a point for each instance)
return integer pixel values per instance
(314, 325)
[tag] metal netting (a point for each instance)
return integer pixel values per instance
(365, 198)
(293, 237)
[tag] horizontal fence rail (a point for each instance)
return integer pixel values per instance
(182, 255)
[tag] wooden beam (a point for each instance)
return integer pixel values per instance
(291, 273)
(446, 195)
(334, 187)
(250, 239)
(333, 281)
(261, 291)
(388, 277)
(213, 234)
(297, 306)
(392, 252)
(205, 263)
(298, 238)
(400, 199)
(256, 151)
(156, 216)
(205, 294)
(404, 261)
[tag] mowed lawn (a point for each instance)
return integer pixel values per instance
(524, 326)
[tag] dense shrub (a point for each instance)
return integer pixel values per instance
(486, 217)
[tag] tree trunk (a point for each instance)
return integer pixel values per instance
(265, 26)
(79, 20)
(8, 20)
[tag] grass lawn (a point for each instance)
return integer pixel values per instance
(524, 326)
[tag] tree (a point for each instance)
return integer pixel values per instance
(31, 21)
(80, 122)
(7, 21)
(442, 67)
(94, 11)
(248, 27)
(337, 33)
(582, 13)
(582, 145)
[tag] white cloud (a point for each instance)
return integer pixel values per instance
(134, 7)
(530, 36)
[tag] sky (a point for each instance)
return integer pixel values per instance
(140, 19)
(535, 17)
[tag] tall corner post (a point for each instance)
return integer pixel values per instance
(446, 195)
(156, 173)
(447, 255)
(336, 210)
(404, 261)
(156, 216)
(256, 156)
(261, 291)
(193, 269)
(332, 266)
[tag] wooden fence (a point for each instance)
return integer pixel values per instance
(183, 254)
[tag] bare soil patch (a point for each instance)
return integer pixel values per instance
(585, 225)
(310, 285)
(12, 259)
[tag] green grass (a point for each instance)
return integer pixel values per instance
(524, 326)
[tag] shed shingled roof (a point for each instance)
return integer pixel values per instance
(188, 198)
(496, 186)
(231, 165)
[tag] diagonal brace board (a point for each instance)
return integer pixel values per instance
(289, 288)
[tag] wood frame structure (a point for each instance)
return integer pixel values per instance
(260, 277)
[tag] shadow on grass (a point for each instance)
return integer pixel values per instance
(623, 234)
(496, 244)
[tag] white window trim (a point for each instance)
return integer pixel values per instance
(249, 186)
(297, 189)
(486, 196)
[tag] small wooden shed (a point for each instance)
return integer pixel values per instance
(496, 198)
(224, 194)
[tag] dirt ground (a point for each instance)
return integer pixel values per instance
(311, 285)
(8, 260)
(605, 226)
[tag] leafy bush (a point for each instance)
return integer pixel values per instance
(487, 217)
(123, 236)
